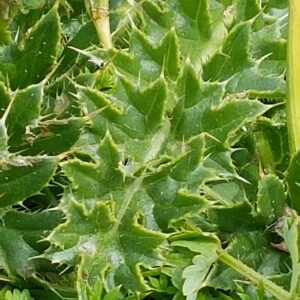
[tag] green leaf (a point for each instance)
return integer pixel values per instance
(223, 121)
(112, 295)
(122, 114)
(93, 180)
(190, 160)
(199, 11)
(15, 254)
(50, 137)
(233, 218)
(174, 265)
(291, 238)
(24, 112)
(85, 36)
(254, 250)
(124, 110)
(241, 72)
(203, 249)
(31, 61)
(246, 10)
(32, 227)
(22, 177)
(292, 177)
(200, 29)
(201, 109)
(270, 199)
(108, 150)
(154, 58)
(196, 274)
(113, 222)
(269, 42)
(33, 4)
(150, 101)
(233, 57)
(17, 295)
(95, 235)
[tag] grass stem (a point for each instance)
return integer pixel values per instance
(99, 12)
(293, 77)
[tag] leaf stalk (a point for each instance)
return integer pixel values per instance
(253, 276)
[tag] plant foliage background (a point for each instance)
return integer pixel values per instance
(125, 171)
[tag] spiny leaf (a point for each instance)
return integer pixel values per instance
(270, 199)
(95, 235)
(233, 218)
(108, 151)
(93, 180)
(190, 160)
(52, 137)
(115, 223)
(30, 62)
(269, 42)
(234, 64)
(15, 254)
(293, 179)
(200, 29)
(155, 57)
(147, 59)
(84, 38)
(203, 112)
(232, 58)
(246, 10)
(22, 177)
(199, 11)
(150, 101)
(125, 110)
(24, 112)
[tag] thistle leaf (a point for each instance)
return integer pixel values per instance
(29, 62)
(270, 199)
(22, 177)
(25, 111)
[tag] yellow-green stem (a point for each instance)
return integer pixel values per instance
(253, 276)
(293, 77)
(99, 12)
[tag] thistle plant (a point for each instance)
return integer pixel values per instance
(149, 150)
